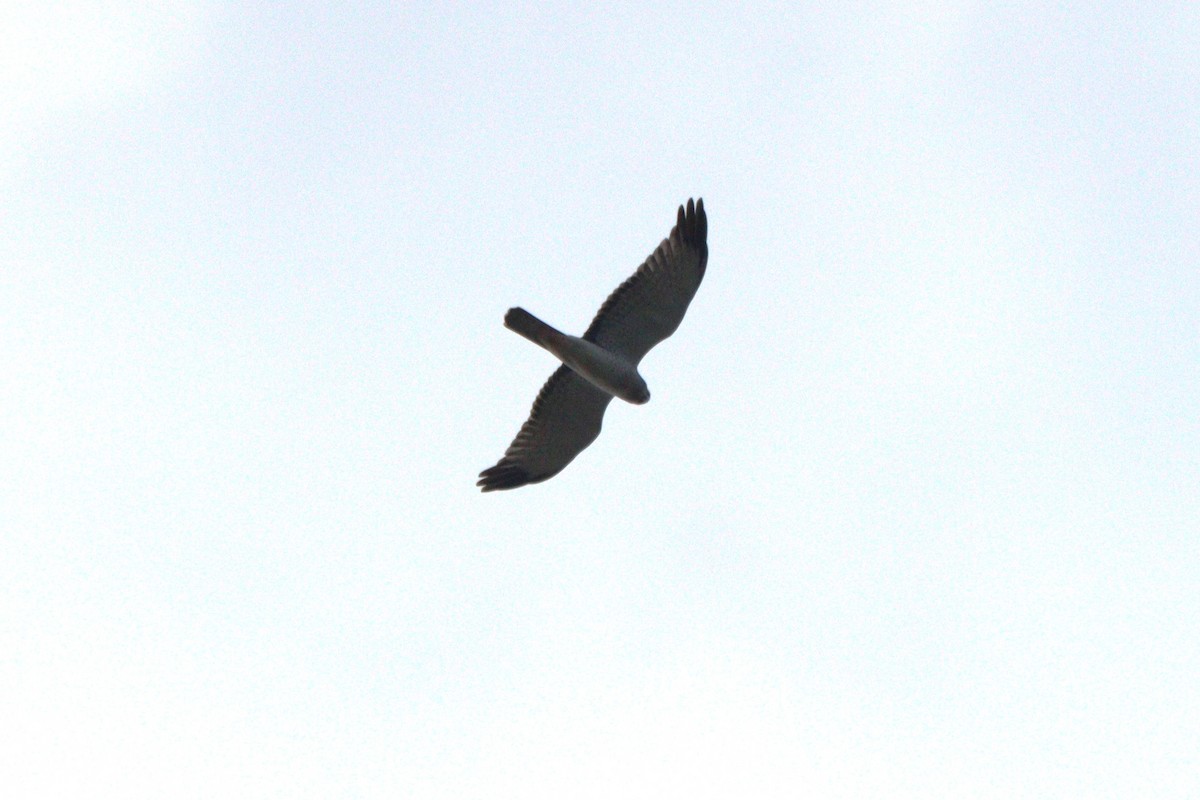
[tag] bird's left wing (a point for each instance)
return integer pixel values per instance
(565, 419)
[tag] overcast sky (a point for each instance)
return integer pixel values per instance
(914, 511)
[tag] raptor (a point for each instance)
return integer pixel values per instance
(603, 363)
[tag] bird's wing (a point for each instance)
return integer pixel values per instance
(649, 306)
(566, 418)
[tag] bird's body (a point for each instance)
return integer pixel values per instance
(591, 361)
(602, 364)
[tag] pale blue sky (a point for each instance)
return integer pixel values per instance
(914, 511)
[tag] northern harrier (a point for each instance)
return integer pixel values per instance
(601, 364)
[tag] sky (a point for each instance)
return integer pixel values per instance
(913, 511)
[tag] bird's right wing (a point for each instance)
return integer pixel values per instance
(649, 306)
(566, 418)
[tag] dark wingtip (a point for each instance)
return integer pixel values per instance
(502, 476)
(692, 222)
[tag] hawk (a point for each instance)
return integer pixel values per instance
(602, 364)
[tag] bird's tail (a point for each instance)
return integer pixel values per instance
(532, 328)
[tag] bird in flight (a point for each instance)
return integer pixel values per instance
(602, 364)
